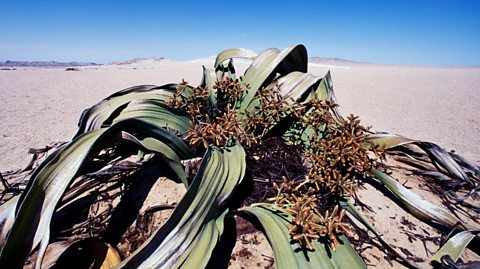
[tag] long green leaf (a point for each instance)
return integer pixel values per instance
(445, 161)
(167, 154)
(303, 88)
(7, 217)
(456, 245)
(233, 53)
(105, 111)
(276, 222)
(387, 140)
(48, 184)
(156, 113)
(159, 118)
(295, 84)
(325, 91)
(198, 252)
(35, 210)
(182, 241)
(208, 81)
(268, 64)
(418, 206)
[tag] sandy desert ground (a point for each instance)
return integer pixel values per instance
(437, 104)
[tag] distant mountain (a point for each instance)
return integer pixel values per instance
(328, 60)
(43, 64)
(138, 60)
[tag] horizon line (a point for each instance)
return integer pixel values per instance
(161, 58)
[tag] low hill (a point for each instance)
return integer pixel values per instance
(329, 60)
(44, 64)
(138, 60)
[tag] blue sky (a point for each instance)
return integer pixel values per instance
(398, 32)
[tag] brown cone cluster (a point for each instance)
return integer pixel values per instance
(336, 156)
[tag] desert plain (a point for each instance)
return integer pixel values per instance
(437, 104)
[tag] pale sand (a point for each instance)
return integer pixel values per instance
(39, 106)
